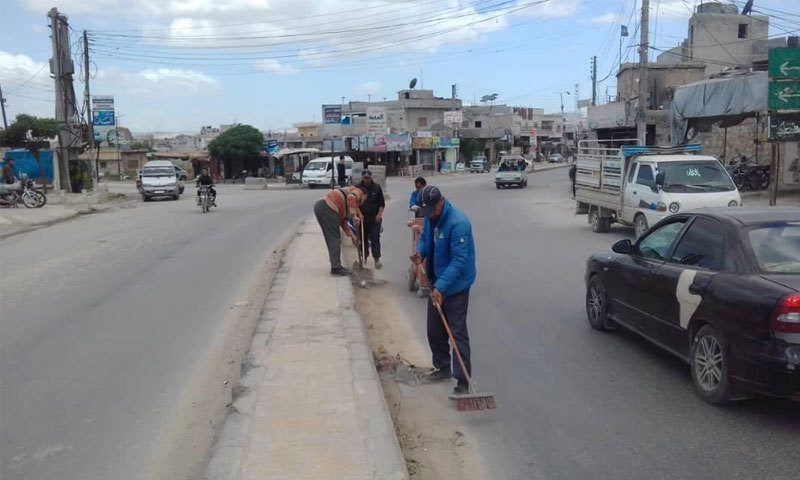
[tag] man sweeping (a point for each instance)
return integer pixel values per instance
(332, 212)
(447, 244)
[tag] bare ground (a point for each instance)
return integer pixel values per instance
(433, 435)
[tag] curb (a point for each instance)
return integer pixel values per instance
(374, 417)
(380, 441)
(556, 167)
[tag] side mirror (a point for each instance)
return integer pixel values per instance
(624, 247)
(660, 180)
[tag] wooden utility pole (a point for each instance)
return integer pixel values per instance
(3, 108)
(644, 45)
(594, 80)
(62, 68)
(87, 100)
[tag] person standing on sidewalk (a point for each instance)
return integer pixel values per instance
(372, 211)
(341, 171)
(447, 245)
(332, 212)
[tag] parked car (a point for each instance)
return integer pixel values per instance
(160, 179)
(480, 164)
(555, 158)
(183, 175)
(718, 288)
(321, 171)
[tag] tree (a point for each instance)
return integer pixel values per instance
(31, 133)
(240, 142)
(471, 147)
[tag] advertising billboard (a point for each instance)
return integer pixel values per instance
(332, 114)
(103, 119)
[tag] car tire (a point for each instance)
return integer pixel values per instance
(595, 220)
(145, 198)
(640, 225)
(180, 191)
(411, 277)
(709, 365)
(176, 196)
(498, 186)
(597, 304)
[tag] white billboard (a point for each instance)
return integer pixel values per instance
(453, 117)
(376, 121)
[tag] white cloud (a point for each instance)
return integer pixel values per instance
(26, 85)
(153, 83)
(273, 66)
(606, 18)
(553, 8)
(368, 88)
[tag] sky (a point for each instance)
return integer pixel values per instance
(176, 65)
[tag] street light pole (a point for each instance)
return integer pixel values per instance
(563, 119)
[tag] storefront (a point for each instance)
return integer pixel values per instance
(436, 153)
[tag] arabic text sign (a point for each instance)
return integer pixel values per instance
(376, 121)
(332, 114)
(103, 120)
(784, 63)
(784, 127)
(454, 117)
(784, 95)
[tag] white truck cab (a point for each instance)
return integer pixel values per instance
(637, 185)
(321, 171)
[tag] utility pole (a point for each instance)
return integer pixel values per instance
(3, 108)
(594, 80)
(88, 108)
(641, 111)
(62, 69)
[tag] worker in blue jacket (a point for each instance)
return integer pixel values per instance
(447, 244)
(419, 183)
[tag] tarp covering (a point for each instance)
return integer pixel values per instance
(24, 162)
(730, 100)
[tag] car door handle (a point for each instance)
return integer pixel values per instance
(696, 289)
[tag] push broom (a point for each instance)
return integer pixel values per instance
(472, 400)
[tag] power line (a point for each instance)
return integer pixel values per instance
(28, 80)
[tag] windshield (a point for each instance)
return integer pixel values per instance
(695, 176)
(316, 166)
(158, 172)
(777, 247)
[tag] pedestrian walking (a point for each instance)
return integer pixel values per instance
(372, 212)
(447, 245)
(573, 173)
(339, 206)
(341, 171)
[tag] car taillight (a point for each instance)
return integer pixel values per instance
(786, 318)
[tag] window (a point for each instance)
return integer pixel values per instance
(422, 121)
(645, 176)
(133, 164)
(777, 247)
(656, 245)
(103, 164)
(632, 172)
(478, 124)
(742, 30)
(702, 246)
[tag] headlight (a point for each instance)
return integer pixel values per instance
(674, 207)
(733, 203)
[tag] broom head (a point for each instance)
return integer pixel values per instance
(474, 401)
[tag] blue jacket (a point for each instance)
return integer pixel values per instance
(454, 257)
(413, 200)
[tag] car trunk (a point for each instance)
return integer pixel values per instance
(786, 280)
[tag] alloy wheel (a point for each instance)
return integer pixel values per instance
(708, 363)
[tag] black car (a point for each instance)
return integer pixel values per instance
(719, 288)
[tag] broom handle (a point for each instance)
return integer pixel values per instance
(450, 335)
(455, 345)
(363, 242)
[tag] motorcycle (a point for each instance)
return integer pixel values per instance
(30, 197)
(748, 176)
(204, 200)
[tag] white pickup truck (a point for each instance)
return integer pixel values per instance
(638, 185)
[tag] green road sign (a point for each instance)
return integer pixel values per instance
(784, 127)
(784, 95)
(784, 63)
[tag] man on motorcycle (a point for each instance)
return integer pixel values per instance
(205, 179)
(9, 182)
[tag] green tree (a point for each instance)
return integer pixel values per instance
(142, 146)
(240, 142)
(31, 133)
(502, 146)
(471, 147)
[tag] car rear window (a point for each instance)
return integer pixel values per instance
(158, 172)
(776, 247)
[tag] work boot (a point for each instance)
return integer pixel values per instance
(378, 263)
(462, 388)
(439, 374)
(340, 272)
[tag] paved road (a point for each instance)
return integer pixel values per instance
(111, 320)
(575, 403)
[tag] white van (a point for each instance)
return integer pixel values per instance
(160, 178)
(322, 171)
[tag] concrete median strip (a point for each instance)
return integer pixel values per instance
(309, 403)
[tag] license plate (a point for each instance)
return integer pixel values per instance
(160, 191)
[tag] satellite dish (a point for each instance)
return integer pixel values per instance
(412, 83)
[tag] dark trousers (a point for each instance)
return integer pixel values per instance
(329, 222)
(455, 309)
(372, 234)
(342, 181)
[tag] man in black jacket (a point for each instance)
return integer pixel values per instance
(341, 172)
(205, 179)
(372, 210)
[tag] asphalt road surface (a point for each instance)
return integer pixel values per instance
(108, 322)
(573, 402)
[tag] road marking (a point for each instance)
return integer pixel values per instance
(688, 301)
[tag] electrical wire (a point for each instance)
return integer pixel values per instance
(28, 79)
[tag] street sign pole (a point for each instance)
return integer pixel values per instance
(783, 102)
(775, 170)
